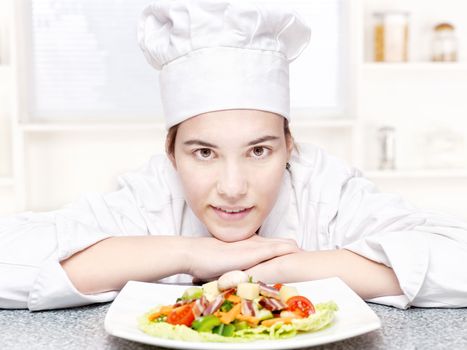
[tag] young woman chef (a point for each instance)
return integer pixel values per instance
(232, 193)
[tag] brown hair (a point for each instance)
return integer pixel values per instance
(172, 134)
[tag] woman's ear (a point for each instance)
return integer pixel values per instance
(290, 143)
(172, 160)
(170, 145)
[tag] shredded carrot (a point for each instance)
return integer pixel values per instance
(230, 315)
(234, 299)
(250, 319)
(164, 310)
(270, 322)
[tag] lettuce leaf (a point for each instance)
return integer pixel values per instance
(179, 332)
(322, 318)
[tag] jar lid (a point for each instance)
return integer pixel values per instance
(444, 26)
(391, 12)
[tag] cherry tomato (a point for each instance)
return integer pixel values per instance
(300, 305)
(182, 315)
(277, 286)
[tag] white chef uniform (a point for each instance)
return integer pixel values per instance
(323, 204)
(214, 55)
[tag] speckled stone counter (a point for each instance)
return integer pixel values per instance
(83, 328)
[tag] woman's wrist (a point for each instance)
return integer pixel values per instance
(110, 263)
(184, 253)
(352, 268)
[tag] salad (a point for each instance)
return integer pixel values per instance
(233, 309)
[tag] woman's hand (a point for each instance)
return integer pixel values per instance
(208, 258)
(352, 268)
(110, 263)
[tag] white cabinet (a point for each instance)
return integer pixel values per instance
(5, 98)
(12, 194)
(5, 123)
(424, 101)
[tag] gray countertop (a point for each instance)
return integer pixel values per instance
(83, 328)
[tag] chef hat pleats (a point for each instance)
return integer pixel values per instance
(221, 54)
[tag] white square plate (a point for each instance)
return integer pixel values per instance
(353, 318)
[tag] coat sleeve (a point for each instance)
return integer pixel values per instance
(426, 250)
(33, 244)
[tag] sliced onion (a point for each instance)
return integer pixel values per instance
(229, 291)
(272, 304)
(268, 291)
(199, 306)
(247, 308)
(214, 305)
(183, 302)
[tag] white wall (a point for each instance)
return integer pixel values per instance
(60, 165)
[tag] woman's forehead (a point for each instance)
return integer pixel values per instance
(234, 121)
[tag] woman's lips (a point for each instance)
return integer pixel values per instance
(232, 214)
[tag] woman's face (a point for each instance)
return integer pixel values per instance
(231, 164)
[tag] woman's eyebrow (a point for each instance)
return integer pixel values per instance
(251, 143)
(262, 139)
(199, 143)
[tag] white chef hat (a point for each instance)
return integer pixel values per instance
(221, 54)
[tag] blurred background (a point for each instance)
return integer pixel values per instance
(383, 85)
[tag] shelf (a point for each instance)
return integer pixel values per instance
(417, 174)
(142, 126)
(114, 126)
(6, 181)
(323, 123)
(415, 66)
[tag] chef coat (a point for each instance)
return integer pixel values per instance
(322, 204)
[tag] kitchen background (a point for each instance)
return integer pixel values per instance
(79, 105)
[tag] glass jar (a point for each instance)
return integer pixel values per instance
(391, 35)
(387, 148)
(444, 46)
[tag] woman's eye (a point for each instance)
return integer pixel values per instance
(259, 152)
(203, 153)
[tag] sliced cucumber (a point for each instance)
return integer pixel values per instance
(239, 325)
(206, 323)
(228, 330)
(218, 329)
(264, 314)
(192, 293)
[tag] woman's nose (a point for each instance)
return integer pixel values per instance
(232, 182)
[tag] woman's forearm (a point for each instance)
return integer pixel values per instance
(366, 277)
(110, 263)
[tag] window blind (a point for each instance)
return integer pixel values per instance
(86, 64)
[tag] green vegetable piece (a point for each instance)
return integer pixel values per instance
(162, 318)
(239, 325)
(192, 293)
(264, 314)
(228, 330)
(218, 329)
(196, 323)
(206, 323)
(226, 306)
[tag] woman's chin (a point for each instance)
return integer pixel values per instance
(230, 235)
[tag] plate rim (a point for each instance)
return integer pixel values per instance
(287, 343)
